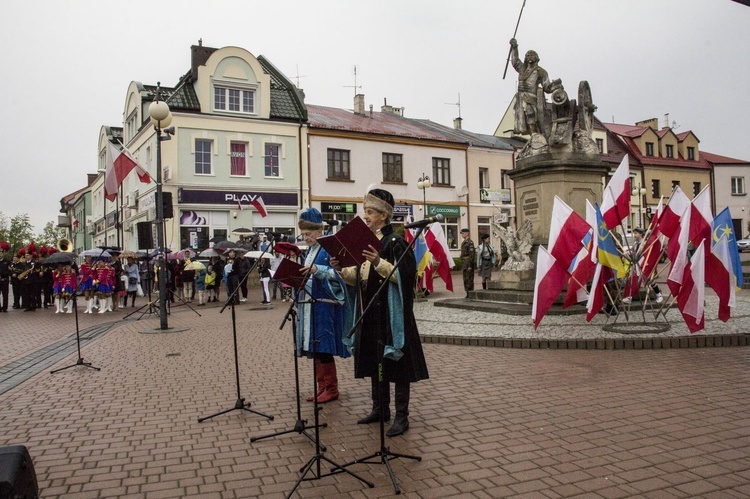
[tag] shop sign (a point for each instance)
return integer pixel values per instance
(488, 195)
(447, 211)
(196, 196)
(338, 207)
(402, 210)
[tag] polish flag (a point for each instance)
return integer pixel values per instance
(692, 294)
(602, 275)
(617, 209)
(118, 165)
(566, 233)
(677, 251)
(701, 219)
(438, 246)
(551, 278)
(669, 220)
(651, 251)
(583, 267)
(720, 276)
(260, 206)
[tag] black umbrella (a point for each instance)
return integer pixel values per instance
(64, 257)
(225, 245)
(216, 239)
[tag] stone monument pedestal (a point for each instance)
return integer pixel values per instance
(572, 177)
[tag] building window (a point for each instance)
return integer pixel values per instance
(696, 188)
(675, 183)
(483, 226)
(669, 150)
(655, 188)
(738, 186)
(691, 153)
(441, 171)
(202, 157)
(392, 167)
(600, 145)
(338, 164)
(131, 126)
(450, 227)
(238, 158)
(649, 148)
(271, 160)
(484, 184)
(234, 100)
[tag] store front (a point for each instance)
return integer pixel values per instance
(452, 216)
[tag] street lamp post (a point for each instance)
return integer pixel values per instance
(161, 117)
(424, 183)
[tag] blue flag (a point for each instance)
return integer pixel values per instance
(607, 253)
(722, 224)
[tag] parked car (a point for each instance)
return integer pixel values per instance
(744, 244)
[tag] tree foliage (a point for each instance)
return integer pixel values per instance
(18, 231)
(50, 235)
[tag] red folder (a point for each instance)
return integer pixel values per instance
(289, 273)
(347, 244)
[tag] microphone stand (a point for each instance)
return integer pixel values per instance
(152, 307)
(384, 455)
(80, 361)
(240, 404)
(300, 426)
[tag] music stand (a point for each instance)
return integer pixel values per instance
(240, 404)
(79, 361)
(384, 454)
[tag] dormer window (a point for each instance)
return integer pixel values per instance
(691, 153)
(669, 151)
(234, 100)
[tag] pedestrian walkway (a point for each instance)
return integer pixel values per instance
(490, 422)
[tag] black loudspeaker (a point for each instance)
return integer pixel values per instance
(166, 198)
(145, 235)
(17, 475)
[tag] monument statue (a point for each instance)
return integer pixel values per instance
(518, 243)
(551, 126)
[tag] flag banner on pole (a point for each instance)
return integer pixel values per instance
(566, 233)
(118, 165)
(677, 205)
(701, 219)
(616, 210)
(260, 206)
(677, 250)
(438, 246)
(720, 277)
(692, 292)
(607, 253)
(722, 225)
(550, 281)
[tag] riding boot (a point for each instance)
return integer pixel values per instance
(89, 304)
(70, 306)
(401, 421)
(331, 392)
(374, 416)
(484, 285)
(59, 308)
(320, 375)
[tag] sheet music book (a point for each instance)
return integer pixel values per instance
(288, 272)
(348, 243)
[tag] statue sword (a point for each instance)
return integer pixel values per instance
(514, 35)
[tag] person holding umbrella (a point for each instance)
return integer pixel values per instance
(133, 274)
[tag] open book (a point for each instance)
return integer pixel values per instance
(347, 244)
(288, 272)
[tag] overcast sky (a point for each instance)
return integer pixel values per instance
(67, 66)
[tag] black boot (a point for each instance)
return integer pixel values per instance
(401, 421)
(374, 416)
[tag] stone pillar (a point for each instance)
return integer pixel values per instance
(538, 179)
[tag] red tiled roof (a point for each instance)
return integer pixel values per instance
(715, 158)
(331, 118)
(681, 136)
(678, 162)
(626, 130)
(661, 133)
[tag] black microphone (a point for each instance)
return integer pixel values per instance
(424, 223)
(334, 223)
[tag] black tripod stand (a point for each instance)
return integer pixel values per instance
(240, 404)
(300, 426)
(80, 361)
(384, 454)
(150, 307)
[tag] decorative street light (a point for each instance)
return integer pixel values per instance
(161, 117)
(424, 183)
(640, 193)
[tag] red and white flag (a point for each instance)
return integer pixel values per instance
(701, 218)
(677, 205)
(566, 233)
(260, 206)
(550, 281)
(438, 246)
(677, 250)
(616, 209)
(651, 251)
(720, 276)
(692, 293)
(118, 165)
(602, 275)
(583, 267)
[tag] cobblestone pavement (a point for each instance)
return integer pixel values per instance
(490, 422)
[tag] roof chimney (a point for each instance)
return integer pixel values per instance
(385, 108)
(359, 104)
(457, 123)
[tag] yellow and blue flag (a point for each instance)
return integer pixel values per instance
(607, 253)
(421, 254)
(722, 225)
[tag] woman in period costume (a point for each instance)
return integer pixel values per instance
(57, 288)
(323, 319)
(69, 281)
(389, 330)
(104, 278)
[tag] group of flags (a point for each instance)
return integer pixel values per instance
(430, 248)
(584, 254)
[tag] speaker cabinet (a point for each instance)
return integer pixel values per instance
(166, 198)
(17, 475)
(145, 235)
